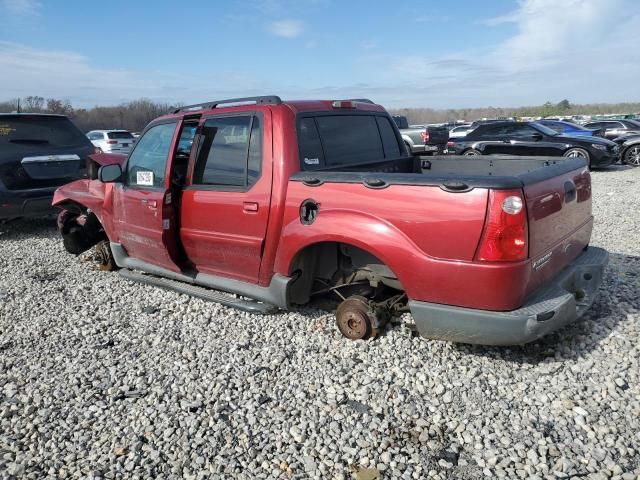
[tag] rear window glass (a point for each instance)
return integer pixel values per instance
(119, 135)
(40, 130)
(340, 140)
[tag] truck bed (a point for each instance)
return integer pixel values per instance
(440, 203)
(449, 171)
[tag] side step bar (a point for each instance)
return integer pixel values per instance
(200, 292)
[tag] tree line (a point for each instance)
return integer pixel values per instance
(562, 108)
(133, 116)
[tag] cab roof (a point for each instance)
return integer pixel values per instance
(295, 105)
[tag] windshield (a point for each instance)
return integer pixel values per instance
(544, 129)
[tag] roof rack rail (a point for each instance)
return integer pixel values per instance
(361, 100)
(259, 100)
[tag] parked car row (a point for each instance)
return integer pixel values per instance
(533, 138)
(600, 143)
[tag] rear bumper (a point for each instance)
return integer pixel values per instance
(564, 300)
(25, 203)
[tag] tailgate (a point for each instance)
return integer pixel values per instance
(560, 222)
(438, 135)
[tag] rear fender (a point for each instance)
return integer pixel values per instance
(358, 229)
(407, 139)
(488, 286)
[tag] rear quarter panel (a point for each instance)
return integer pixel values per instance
(425, 235)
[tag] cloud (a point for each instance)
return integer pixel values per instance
(19, 8)
(584, 50)
(286, 28)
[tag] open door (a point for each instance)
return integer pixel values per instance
(146, 222)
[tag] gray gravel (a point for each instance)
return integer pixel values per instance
(102, 378)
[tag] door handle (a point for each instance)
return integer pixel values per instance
(149, 203)
(250, 207)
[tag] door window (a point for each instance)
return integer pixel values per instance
(230, 153)
(519, 131)
(147, 163)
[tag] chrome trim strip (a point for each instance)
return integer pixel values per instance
(50, 158)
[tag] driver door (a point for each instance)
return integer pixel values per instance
(145, 223)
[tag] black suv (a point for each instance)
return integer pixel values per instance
(38, 153)
(532, 139)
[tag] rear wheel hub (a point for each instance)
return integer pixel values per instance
(355, 319)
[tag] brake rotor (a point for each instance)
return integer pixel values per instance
(354, 319)
(104, 257)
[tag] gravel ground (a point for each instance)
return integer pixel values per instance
(102, 378)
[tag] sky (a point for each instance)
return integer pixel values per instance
(406, 53)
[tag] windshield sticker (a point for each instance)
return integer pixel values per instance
(6, 130)
(144, 178)
(312, 161)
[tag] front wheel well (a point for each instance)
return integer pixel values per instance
(80, 228)
(328, 266)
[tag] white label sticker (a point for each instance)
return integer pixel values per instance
(312, 161)
(166, 224)
(144, 178)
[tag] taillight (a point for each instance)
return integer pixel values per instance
(112, 142)
(343, 104)
(425, 136)
(505, 231)
(450, 143)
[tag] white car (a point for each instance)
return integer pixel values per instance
(459, 132)
(111, 141)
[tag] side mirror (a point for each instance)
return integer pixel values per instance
(110, 173)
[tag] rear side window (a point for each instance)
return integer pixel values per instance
(119, 135)
(559, 128)
(231, 152)
(43, 130)
(389, 140)
(327, 141)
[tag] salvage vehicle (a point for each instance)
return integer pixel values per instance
(532, 138)
(629, 149)
(282, 202)
(422, 139)
(38, 153)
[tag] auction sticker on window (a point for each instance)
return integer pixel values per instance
(144, 178)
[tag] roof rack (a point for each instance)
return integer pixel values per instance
(260, 100)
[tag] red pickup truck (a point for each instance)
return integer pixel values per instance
(282, 201)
